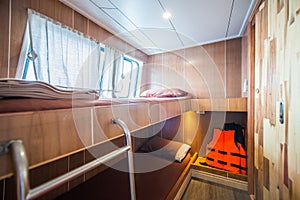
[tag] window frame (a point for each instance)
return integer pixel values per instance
(125, 58)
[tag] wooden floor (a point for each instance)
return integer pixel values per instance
(204, 190)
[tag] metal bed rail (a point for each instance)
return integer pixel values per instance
(21, 173)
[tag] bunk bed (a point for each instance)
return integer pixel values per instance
(164, 181)
(20, 96)
(160, 183)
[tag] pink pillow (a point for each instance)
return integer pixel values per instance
(173, 92)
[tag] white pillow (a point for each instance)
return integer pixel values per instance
(181, 152)
(171, 150)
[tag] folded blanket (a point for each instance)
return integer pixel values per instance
(36, 89)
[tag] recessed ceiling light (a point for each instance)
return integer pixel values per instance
(167, 15)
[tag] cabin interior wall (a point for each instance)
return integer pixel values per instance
(215, 70)
(245, 86)
(208, 71)
(13, 23)
(277, 60)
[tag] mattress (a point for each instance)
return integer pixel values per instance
(114, 184)
(8, 105)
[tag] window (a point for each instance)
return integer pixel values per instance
(64, 58)
(128, 78)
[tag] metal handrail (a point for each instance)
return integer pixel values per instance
(130, 156)
(20, 163)
(50, 185)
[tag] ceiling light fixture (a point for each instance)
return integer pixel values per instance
(167, 15)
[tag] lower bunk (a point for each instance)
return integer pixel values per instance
(155, 178)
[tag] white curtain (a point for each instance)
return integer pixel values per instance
(64, 57)
(113, 61)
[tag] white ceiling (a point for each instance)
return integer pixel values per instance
(193, 22)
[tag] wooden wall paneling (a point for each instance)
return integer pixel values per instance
(196, 84)
(65, 130)
(245, 82)
(174, 60)
(208, 66)
(138, 115)
(90, 155)
(146, 75)
(237, 117)
(46, 135)
(272, 26)
(97, 32)
(290, 97)
(10, 189)
(272, 84)
(80, 23)
(285, 166)
(74, 161)
(63, 13)
(48, 172)
(217, 53)
(81, 119)
(27, 3)
(35, 4)
(102, 149)
(202, 74)
(192, 131)
(280, 170)
(154, 112)
(221, 104)
(205, 135)
(134, 116)
(250, 107)
(260, 177)
(280, 5)
(169, 109)
(186, 105)
(153, 73)
(172, 68)
(254, 110)
(266, 168)
(237, 104)
(18, 24)
(172, 129)
(20, 127)
(276, 57)
(215, 62)
(142, 135)
(102, 124)
(4, 40)
(49, 9)
(233, 68)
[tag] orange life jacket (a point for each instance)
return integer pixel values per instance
(222, 152)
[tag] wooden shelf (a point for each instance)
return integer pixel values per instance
(197, 165)
(221, 104)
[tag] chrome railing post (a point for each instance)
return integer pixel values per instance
(20, 168)
(20, 164)
(130, 156)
